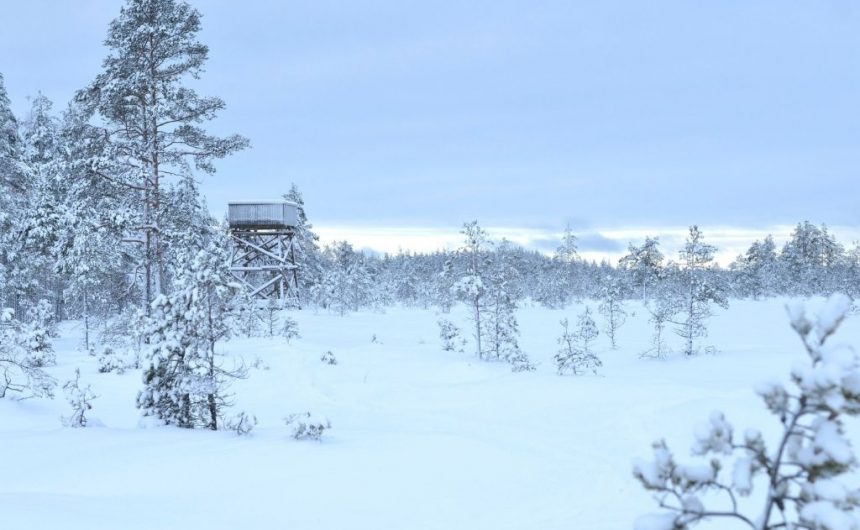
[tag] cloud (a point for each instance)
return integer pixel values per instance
(599, 243)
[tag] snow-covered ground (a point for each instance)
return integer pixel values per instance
(421, 438)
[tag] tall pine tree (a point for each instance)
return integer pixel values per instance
(152, 118)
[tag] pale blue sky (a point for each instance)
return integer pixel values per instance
(612, 115)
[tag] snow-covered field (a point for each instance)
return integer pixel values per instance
(421, 438)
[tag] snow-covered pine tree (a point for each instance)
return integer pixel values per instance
(575, 353)
(289, 329)
(38, 329)
(550, 287)
(758, 270)
(186, 222)
(19, 375)
(33, 275)
(661, 309)
(568, 251)
(809, 258)
(643, 265)
(80, 399)
(698, 288)
(13, 192)
(11, 178)
(271, 317)
(185, 383)
(451, 336)
(502, 293)
(347, 282)
(851, 275)
(98, 271)
(306, 246)
(565, 271)
(151, 119)
(612, 308)
(444, 291)
(426, 290)
(804, 470)
(471, 288)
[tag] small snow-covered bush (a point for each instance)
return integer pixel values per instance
(520, 362)
(803, 470)
(259, 364)
(306, 426)
(21, 359)
(290, 329)
(328, 358)
(575, 353)
(80, 398)
(451, 335)
(242, 424)
(110, 360)
(37, 331)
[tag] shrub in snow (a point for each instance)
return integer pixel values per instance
(451, 335)
(804, 470)
(270, 317)
(242, 424)
(112, 361)
(249, 319)
(575, 353)
(80, 399)
(259, 364)
(290, 329)
(328, 358)
(20, 373)
(520, 362)
(306, 426)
